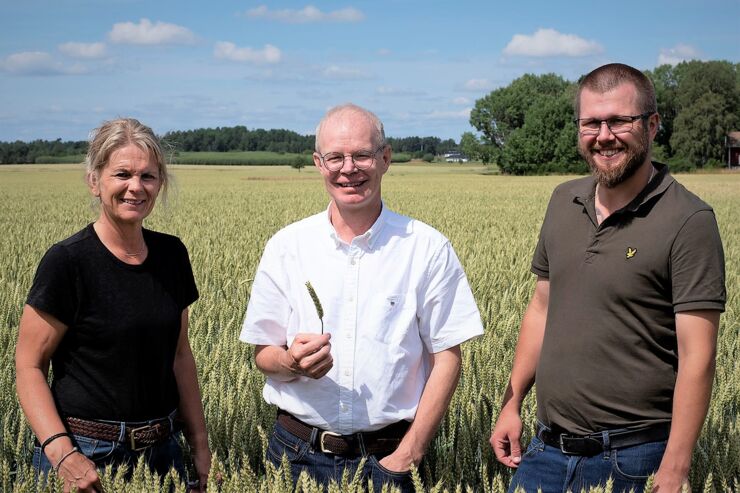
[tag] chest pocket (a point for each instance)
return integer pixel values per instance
(397, 315)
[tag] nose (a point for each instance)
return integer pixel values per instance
(348, 159)
(605, 133)
(135, 183)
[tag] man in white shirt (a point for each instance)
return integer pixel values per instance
(396, 306)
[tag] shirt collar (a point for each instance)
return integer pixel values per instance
(369, 238)
(584, 192)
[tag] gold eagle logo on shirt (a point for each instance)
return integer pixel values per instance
(631, 252)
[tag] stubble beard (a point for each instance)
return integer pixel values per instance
(635, 156)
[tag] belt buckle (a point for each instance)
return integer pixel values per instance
(321, 441)
(562, 445)
(132, 441)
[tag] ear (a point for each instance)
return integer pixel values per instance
(653, 125)
(93, 183)
(317, 161)
(386, 159)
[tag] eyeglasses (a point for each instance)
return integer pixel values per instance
(362, 159)
(615, 124)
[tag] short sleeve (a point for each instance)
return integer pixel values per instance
(540, 263)
(268, 310)
(698, 265)
(448, 314)
(54, 289)
(188, 289)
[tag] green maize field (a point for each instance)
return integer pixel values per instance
(226, 214)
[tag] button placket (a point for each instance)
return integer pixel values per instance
(345, 375)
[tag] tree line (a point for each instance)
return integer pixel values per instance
(527, 127)
(219, 139)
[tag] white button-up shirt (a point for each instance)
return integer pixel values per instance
(391, 298)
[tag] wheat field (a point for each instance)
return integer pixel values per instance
(224, 215)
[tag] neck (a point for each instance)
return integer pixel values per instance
(123, 240)
(609, 200)
(350, 223)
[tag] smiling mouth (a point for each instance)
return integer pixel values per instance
(353, 184)
(607, 152)
(132, 201)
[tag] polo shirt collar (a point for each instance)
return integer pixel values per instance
(659, 184)
(367, 240)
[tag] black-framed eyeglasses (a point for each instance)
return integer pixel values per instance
(615, 124)
(362, 159)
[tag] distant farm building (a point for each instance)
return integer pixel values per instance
(456, 157)
(732, 144)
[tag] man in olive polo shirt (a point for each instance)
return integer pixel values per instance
(630, 284)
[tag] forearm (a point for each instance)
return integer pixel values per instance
(690, 404)
(435, 400)
(528, 347)
(190, 407)
(38, 406)
(275, 362)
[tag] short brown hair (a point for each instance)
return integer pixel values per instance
(607, 77)
(114, 134)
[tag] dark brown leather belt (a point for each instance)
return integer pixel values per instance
(375, 442)
(594, 443)
(138, 436)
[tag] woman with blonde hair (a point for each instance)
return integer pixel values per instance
(108, 310)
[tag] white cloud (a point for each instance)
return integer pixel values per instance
(448, 115)
(384, 52)
(340, 73)
(229, 51)
(306, 15)
(549, 42)
(478, 85)
(83, 50)
(677, 54)
(461, 101)
(146, 33)
(37, 63)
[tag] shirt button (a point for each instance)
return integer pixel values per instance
(351, 298)
(347, 372)
(342, 406)
(352, 261)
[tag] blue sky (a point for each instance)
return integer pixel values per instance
(66, 66)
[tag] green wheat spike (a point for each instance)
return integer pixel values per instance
(316, 303)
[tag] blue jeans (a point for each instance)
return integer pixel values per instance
(548, 468)
(325, 467)
(159, 457)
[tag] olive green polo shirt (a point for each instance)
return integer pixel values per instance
(609, 356)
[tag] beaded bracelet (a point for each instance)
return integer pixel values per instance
(52, 438)
(56, 468)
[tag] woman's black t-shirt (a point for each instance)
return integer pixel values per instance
(115, 362)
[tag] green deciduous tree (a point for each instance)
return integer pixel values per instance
(699, 130)
(502, 111)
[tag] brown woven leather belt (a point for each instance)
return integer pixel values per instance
(375, 442)
(138, 436)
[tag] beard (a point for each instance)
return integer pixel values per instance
(634, 157)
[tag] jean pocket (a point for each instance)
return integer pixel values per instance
(395, 475)
(94, 449)
(283, 443)
(639, 461)
(535, 446)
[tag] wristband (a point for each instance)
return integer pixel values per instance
(52, 438)
(56, 468)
